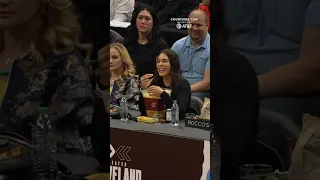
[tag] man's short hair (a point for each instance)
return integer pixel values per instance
(206, 18)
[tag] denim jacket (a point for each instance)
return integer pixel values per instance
(73, 97)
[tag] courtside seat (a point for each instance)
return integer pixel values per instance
(195, 105)
(274, 131)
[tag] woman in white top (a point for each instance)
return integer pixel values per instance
(121, 10)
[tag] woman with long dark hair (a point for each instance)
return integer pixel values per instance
(143, 39)
(167, 76)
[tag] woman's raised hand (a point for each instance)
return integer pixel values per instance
(146, 80)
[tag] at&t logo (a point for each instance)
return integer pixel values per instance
(183, 26)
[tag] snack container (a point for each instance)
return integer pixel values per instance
(155, 105)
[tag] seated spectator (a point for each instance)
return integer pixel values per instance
(121, 10)
(283, 49)
(168, 76)
(95, 25)
(100, 137)
(235, 109)
(122, 77)
(47, 71)
(235, 102)
(115, 37)
(143, 39)
(167, 9)
(194, 54)
(205, 6)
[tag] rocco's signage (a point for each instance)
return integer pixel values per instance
(198, 123)
(140, 155)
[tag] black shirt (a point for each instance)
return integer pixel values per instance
(181, 91)
(144, 56)
(235, 106)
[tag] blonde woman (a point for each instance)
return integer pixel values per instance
(122, 77)
(39, 49)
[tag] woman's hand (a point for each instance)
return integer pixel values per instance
(155, 91)
(104, 65)
(146, 80)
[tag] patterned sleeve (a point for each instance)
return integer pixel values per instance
(75, 95)
(132, 93)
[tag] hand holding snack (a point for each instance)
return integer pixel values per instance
(146, 80)
(155, 91)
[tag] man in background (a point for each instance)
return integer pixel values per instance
(281, 39)
(194, 54)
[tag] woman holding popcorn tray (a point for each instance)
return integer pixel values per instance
(167, 77)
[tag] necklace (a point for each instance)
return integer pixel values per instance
(142, 42)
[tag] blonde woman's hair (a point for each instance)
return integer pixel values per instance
(128, 69)
(60, 34)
